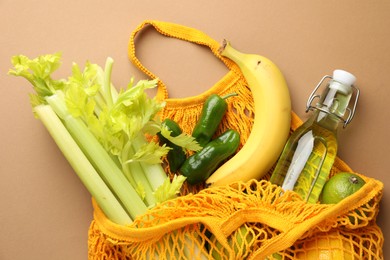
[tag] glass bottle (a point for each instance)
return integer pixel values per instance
(310, 151)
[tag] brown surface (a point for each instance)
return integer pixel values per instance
(45, 211)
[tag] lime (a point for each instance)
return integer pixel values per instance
(340, 186)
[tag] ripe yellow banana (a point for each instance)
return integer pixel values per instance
(271, 126)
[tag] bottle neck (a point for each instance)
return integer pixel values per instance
(332, 105)
(325, 120)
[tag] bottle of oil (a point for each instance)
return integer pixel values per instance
(309, 153)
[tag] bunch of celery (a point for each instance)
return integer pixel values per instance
(102, 133)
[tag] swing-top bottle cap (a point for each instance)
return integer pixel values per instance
(341, 81)
(344, 77)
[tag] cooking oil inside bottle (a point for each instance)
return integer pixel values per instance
(312, 157)
(309, 154)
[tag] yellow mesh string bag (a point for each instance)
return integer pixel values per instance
(245, 220)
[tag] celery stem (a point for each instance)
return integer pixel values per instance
(107, 81)
(99, 157)
(126, 170)
(82, 166)
(154, 173)
(140, 178)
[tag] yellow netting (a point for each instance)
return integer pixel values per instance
(275, 222)
(249, 220)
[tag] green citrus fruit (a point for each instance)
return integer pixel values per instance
(340, 186)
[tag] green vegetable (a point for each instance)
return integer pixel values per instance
(213, 111)
(241, 241)
(199, 166)
(82, 166)
(98, 156)
(102, 133)
(176, 156)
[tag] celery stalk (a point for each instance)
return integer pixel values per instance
(126, 167)
(154, 173)
(81, 165)
(136, 171)
(107, 82)
(108, 126)
(99, 157)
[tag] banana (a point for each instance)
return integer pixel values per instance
(271, 126)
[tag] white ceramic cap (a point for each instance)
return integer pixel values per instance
(344, 77)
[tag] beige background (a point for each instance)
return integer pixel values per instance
(45, 211)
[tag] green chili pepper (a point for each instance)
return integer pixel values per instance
(176, 156)
(211, 116)
(199, 166)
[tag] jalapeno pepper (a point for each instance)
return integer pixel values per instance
(199, 166)
(211, 116)
(176, 156)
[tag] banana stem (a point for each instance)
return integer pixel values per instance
(228, 51)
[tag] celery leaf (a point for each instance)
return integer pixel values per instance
(183, 140)
(150, 153)
(169, 190)
(38, 72)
